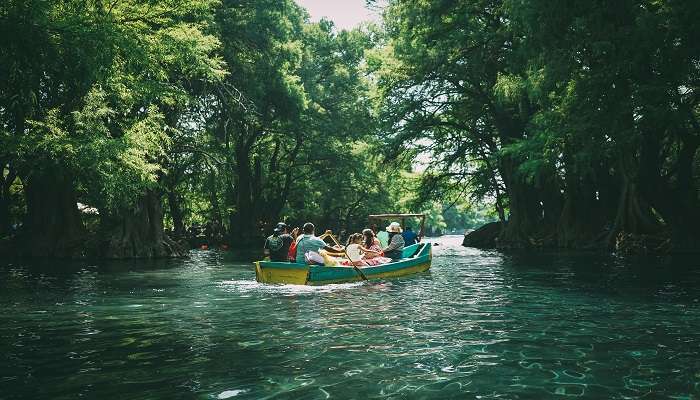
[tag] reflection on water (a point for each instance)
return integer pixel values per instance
(479, 324)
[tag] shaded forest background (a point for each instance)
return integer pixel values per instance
(125, 123)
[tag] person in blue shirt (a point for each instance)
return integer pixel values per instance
(409, 237)
(310, 242)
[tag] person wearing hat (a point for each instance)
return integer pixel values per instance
(277, 244)
(396, 243)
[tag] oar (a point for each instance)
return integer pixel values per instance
(364, 278)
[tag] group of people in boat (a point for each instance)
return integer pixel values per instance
(362, 249)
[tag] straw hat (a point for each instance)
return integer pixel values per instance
(394, 227)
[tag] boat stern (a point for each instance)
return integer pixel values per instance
(280, 272)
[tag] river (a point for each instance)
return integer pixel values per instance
(479, 324)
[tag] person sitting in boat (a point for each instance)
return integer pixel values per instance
(309, 242)
(396, 244)
(354, 250)
(373, 254)
(370, 240)
(409, 237)
(292, 255)
(277, 244)
(361, 256)
(382, 236)
(351, 256)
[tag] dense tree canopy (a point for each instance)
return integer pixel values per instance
(125, 124)
(579, 121)
(121, 119)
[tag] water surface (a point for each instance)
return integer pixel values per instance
(480, 324)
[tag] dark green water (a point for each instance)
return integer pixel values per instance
(478, 325)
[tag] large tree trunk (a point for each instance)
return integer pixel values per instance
(676, 200)
(634, 214)
(138, 232)
(581, 219)
(244, 230)
(53, 225)
(580, 225)
(5, 201)
(552, 201)
(684, 218)
(176, 213)
(5, 225)
(525, 208)
(608, 190)
(526, 211)
(214, 199)
(276, 204)
(668, 148)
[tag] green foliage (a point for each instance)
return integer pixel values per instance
(550, 109)
(434, 221)
(289, 134)
(244, 112)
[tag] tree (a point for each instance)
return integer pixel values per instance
(89, 116)
(447, 94)
(556, 112)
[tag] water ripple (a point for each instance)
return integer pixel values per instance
(480, 324)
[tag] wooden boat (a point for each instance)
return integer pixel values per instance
(415, 258)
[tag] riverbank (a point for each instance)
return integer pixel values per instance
(493, 236)
(93, 248)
